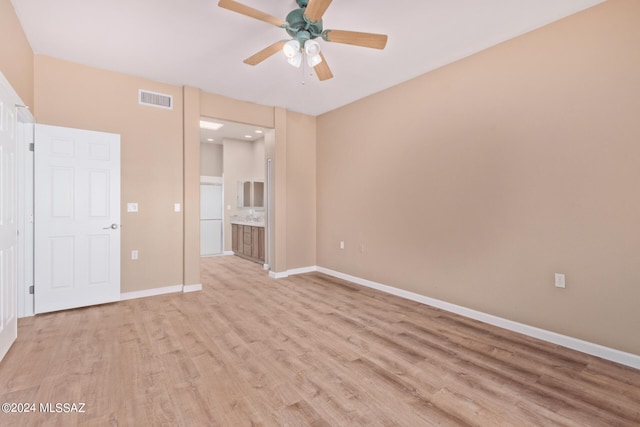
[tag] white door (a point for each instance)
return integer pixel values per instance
(8, 220)
(210, 219)
(77, 218)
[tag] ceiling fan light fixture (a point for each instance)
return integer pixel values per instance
(312, 51)
(312, 61)
(296, 61)
(312, 48)
(303, 25)
(291, 49)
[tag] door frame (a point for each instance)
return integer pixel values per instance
(25, 137)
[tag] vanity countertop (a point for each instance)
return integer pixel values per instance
(250, 223)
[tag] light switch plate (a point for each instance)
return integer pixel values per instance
(132, 207)
(176, 207)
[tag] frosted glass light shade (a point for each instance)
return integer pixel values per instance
(291, 48)
(314, 60)
(312, 48)
(296, 60)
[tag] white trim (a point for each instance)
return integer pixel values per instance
(292, 272)
(192, 288)
(25, 136)
(227, 253)
(302, 270)
(150, 292)
(206, 179)
(611, 354)
(275, 275)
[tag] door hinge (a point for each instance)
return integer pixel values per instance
(31, 146)
(31, 290)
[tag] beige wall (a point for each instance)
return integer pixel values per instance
(191, 184)
(72, 95)
(301, 190)
(258, 159)
(16, 55)
(211, 159)
(477, 182)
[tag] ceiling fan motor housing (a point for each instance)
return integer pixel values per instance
(300, 28)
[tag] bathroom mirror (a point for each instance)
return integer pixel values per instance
(251, 194)
(258, 194)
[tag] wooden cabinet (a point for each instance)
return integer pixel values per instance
(248, 242)
(261, 244)
(246, 239)
(254, 242)
(234, 237)
(237, 238)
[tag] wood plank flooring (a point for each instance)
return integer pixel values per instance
(309, 350)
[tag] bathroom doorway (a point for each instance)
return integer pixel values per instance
(232, 156)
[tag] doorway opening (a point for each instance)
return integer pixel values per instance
(234, 190)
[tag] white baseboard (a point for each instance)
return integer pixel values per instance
(292, 272)
(150, 292)
(161, 291)
(192, 288)
(281, 275)
(227, 253)
(302, 270)
(611, 354)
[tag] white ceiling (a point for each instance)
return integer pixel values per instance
(196, 43)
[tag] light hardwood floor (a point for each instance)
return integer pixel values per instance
(309, 350)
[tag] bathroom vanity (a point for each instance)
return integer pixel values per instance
(247, 240)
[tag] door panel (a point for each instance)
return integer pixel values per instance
(210, 219)
(210, 201)
(77, 216)
(8, 221)
(211, 237)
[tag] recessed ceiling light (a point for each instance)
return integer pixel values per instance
(210, 139)
(259, 131)
(210, 125)
(248, 136)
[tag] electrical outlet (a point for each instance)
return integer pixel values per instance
(132, 207)
(134, 254)
(559, 280)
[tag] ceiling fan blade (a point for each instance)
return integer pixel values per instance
(264, 53)
(375, 41)
(315, 9)
(322, 70)
(251, 12)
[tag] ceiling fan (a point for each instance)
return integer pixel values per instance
(304, 25)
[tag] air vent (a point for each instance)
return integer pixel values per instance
(154, 99)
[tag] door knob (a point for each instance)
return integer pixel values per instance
(112, 226)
